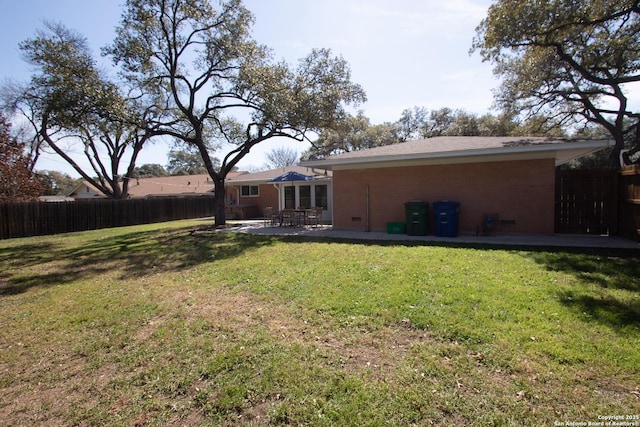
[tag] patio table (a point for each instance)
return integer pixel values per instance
(293, 217)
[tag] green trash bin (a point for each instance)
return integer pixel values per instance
(417, 218)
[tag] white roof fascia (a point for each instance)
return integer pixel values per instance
(246, 181)
(268, 181)
(572, 153)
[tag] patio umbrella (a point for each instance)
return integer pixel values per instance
(292, 176)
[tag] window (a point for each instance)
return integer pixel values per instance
(322, 197)
(289, 197)
(305, 196)
(249, 191)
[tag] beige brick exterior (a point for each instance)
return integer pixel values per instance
(520, 191)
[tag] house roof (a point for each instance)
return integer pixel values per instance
(461, 149)
(178, 185)
(266, 176)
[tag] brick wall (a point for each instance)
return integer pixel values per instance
(268, 196)
(519, 191)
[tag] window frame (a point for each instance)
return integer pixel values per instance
(249, 192)
(323, 199)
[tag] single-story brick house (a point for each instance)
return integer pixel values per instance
(249, 194)
(513, 177)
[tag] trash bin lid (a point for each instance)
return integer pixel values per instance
(446, 203)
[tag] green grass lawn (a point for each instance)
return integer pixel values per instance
(175, 324)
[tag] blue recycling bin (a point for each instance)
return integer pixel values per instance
(446, 216)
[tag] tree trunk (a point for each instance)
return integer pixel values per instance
(219, 202)
(614, 158)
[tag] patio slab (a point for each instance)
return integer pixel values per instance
(555, 240)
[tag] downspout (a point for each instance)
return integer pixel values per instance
(367, 218)
(279, 201)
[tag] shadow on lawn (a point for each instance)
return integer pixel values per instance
(29, 254)
(605, 268)
(23, 258)
(609, 270)
(132, 255)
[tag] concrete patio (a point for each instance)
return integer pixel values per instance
(327, 231)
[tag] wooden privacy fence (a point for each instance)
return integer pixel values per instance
(39, 218)
(586, 201)
(598, 202)
(629, 203)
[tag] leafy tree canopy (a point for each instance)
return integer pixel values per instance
(187, 162)
(353, 133)
(74, 107)
(573, 62)
(149, 170)
(199, 69)
(56, 183)
(418, 123)
(357, 133)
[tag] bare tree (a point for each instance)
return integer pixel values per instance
(281, 157)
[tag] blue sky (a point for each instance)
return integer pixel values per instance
(404, 53)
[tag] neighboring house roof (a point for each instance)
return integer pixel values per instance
(171, 186)
(266, 176)
(178, 185)
(85, 190)
(461, 149)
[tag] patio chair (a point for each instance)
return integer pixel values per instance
(271, 216)
(314, 216)
(287, 217)
(300, 217)
(268, 212)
